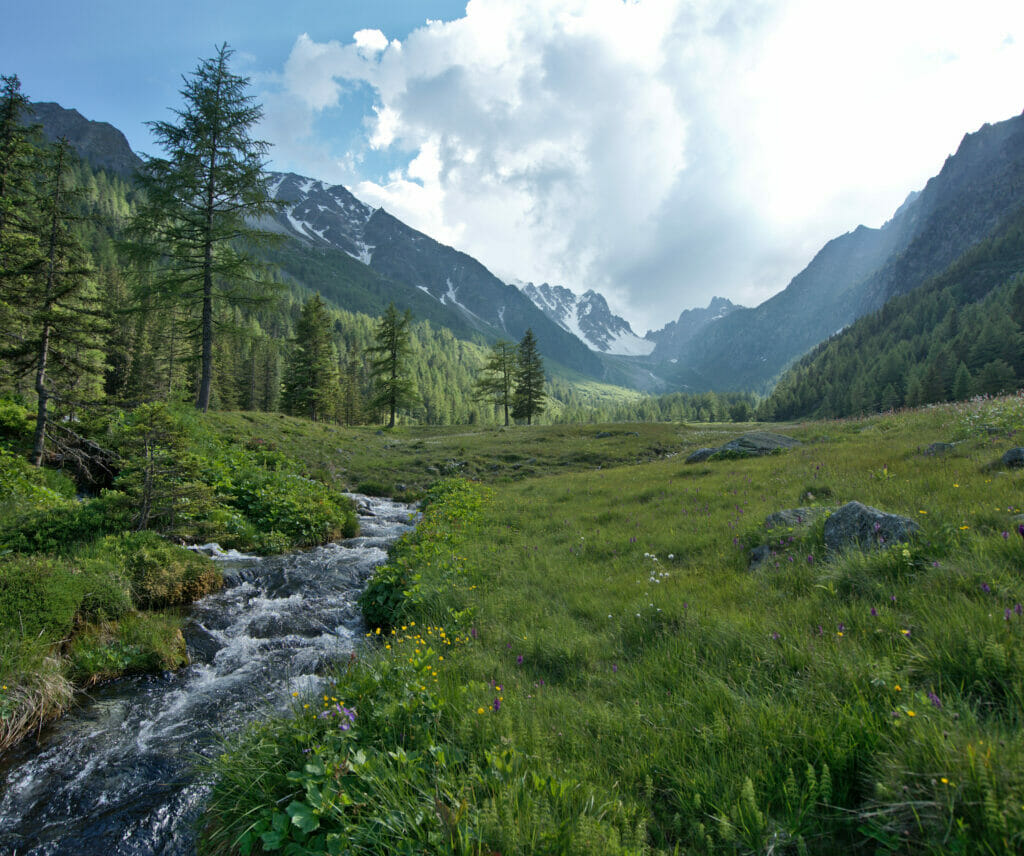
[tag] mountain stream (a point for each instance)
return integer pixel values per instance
(116, 775)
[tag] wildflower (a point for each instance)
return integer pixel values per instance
(911, 713)
(497, 705)
(921, 511)
(985, 588)
(1020, 530)
(519, 660)
(1006, 535)
(472, 632)
(1017, 609)
(615, 667)
(480, 710)
(775, 634)
(905, 632)
(1006, 614)
(897, 687)
(874, 612)
(810, 560)
(294, 695)
(944, 780)
(935, 700)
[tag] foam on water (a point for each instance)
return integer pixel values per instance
(115, 776)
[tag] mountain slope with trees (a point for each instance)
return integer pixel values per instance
(959, 334)
(979, 189)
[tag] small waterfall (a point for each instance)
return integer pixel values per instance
(115, 776)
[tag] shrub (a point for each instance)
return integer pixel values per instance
(306, 512)
(160, 573)
(62, 525)
(38, 594)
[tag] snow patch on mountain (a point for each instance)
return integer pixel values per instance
(588, 318)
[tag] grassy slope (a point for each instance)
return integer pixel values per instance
(658, 670)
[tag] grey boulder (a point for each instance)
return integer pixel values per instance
(866, 528)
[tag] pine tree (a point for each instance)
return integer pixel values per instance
(389, 357)
(193, 228)
(311, 372)
(497, 377)
(528, 400)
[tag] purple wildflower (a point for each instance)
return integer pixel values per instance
(874, 612)
(615, 667)
(775, 634)
(1006, 614)
(985, 588)
(519, 660)
(497, 704)
(841, 628)
(472, 632)
(810, 560)
(1018, 609)
(934, 699)
(1006, 535)
(1020, 530)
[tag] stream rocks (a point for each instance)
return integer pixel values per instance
(750, 445)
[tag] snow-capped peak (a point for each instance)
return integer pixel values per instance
(588, 318)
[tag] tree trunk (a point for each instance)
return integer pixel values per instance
(39, 441)
(206, 378)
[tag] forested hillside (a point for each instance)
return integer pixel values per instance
(960, 334)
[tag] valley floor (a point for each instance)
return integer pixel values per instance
(577, 658)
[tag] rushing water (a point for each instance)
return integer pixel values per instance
(116, 775)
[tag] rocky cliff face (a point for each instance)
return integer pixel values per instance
(99, 143)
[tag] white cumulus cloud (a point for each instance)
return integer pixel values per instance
(663, 151)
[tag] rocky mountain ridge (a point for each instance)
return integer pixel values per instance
(587, 317)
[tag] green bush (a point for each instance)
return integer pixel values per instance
(306, 512)
(38, 594)
(160, 573)
(63, 525)
(15, 421)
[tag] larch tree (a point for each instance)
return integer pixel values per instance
(57, 309)
(193, 227)
(389, 357)
(311, 382)
(528, 400)
(19, 164)
(496, 382)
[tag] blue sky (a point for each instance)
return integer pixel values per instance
(658, 151)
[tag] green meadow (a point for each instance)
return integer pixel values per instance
(571, 654)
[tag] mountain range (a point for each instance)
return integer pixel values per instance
(362, 258)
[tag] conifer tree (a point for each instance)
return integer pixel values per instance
(193, 227)
(389, 357)
(19, 162)
(497, 378)
(311, 385)
(528, 400)
(60, 326)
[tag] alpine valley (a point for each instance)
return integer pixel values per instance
(360, 259)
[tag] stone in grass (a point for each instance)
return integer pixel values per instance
(700, 456)
(1014, 458)
(938, 449)
(867, 528)
(760, 443)
(794, 518)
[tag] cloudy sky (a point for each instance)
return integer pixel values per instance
(659, 151)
